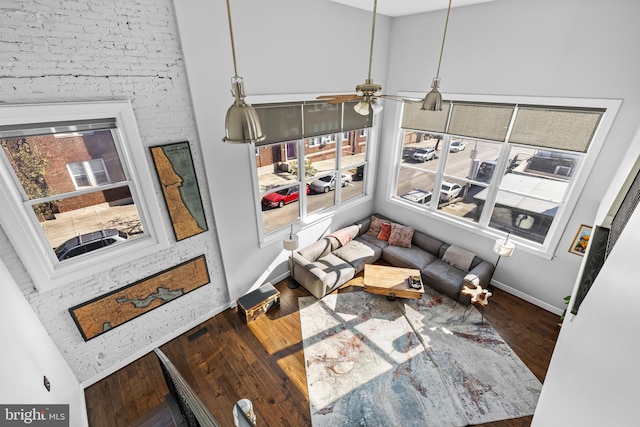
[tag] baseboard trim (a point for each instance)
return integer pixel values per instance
(149, 348)
(527, 297)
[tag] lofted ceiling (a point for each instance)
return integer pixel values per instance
(406, 7)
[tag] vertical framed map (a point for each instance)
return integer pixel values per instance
(177, 176)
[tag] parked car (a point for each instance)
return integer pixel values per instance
(424, 154)
(456, 146)
(279, 198)
(88, 242)
(328, 183)
(449, 191)
(419, 196)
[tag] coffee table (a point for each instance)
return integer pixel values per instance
(391, 281)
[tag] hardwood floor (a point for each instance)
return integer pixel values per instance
(225, 359)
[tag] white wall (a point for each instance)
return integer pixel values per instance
(592, 379)
(541, 48)
(29, 354)
(85, 51)
(282, 47)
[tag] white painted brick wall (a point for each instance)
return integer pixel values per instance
(78, 50)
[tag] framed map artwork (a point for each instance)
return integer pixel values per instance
(115, 308)
(177, 176)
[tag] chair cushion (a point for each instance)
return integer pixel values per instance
(316, 250)
(371, 240)
(337, 271)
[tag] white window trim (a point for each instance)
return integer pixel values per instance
(26, 234)
(547, 249)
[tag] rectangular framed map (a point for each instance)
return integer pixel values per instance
(108, 311)
(177, 177)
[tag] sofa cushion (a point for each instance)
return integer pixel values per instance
(316, 249)
(401, 235)
(337, 271)
(458, 257)
(412, 257)
(426, 242)
(358, 253)
(371, 240)
(375, 226)
(444, 278)
(476, 260)
(385, 231)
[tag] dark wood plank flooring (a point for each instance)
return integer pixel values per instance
(224, 359)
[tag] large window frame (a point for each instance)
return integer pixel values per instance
(609, 108)
(22, 226)
(330, 135)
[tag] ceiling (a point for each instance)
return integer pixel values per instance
(406, 7)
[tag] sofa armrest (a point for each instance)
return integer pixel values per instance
(480, 274)
(309, 276)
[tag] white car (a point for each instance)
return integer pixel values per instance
(328, 183)
(424, 154)
(456, 146)
(419, 196)
(449, 191)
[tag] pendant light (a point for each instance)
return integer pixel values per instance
(433, 100)
(242, 124)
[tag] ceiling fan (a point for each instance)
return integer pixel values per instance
(368, 92)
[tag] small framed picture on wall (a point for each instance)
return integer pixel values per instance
(580, 242)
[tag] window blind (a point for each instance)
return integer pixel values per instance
(563, 129)
(480, 121)
(291, 121)
(34, 129)
(415, 118)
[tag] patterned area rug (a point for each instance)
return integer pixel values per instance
(374, 362)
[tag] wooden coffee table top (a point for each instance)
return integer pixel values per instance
(390, 281)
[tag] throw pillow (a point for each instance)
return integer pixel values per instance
(375, 226)
(458, 257)
(401, 235)
(385, 231)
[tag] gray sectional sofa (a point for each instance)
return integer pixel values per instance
(330, 262)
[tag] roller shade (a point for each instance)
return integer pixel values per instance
(34, 129)
(415, 118)
(291, 121)
(480, 121)
(547, 127)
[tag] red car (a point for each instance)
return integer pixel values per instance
(280, 198)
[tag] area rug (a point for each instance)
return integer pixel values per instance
(428, 362)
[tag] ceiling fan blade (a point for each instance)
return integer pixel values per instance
(338, 99)
(399, 98)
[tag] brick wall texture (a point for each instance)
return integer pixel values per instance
(92, 50)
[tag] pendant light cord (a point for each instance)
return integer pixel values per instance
(233, 46)
(373, 31)
(444, 35)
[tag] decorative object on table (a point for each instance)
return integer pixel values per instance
(433, 100)
(478, 296)
(413, 362)
(242, 124)
(581, 240)
(177, 177)
(258, 301)
(504, 248)
(243, 415)
(290, 243)
(108, 311)
(415, 281)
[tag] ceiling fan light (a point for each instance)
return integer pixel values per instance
(242, 124)
(376, 107)
(433, 100)
(362, 108)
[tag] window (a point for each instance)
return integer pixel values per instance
(89, 173)
(75, 184)
(326, 158)
(504, 167)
